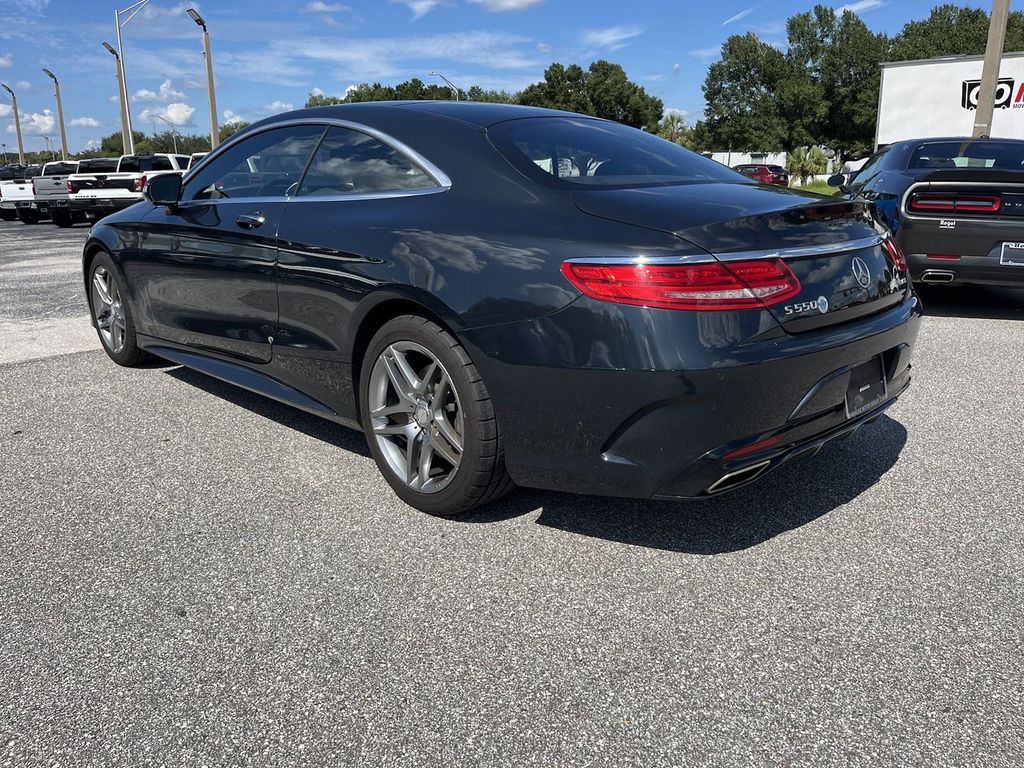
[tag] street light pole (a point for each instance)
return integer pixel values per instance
(449, 82)
(60, 114)
(174, 136)
(120, 97)
(17, 123)
(4, 148)
(990, 69)
(131, 12)
(211, 95)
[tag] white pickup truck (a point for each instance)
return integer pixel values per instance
(50, 194)
(96, 192)
(16, 195)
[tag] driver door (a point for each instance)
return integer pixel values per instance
(207, 271)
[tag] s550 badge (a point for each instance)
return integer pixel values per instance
(820, 304)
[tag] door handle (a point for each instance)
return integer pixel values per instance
(251, 220)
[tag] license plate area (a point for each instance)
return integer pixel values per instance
(1012, 255)
(867, 388)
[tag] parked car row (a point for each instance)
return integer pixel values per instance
(73, 191)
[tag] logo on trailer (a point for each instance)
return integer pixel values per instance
(971, 90)
(861, 272)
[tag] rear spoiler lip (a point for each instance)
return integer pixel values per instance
(986, 175)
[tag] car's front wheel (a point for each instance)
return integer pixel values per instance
(429, 420)
(62, 219)
(8, 215)
(112, 314)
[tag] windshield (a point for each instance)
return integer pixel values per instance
(598, 153)
(1005, 155)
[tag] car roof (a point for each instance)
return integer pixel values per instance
(958, 139)
(478, 113)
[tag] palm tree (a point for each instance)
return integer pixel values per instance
(674, 128)
(804, 162)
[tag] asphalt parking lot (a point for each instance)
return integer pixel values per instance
(192, 575)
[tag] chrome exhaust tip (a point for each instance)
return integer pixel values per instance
(938, 276)
(739, 477)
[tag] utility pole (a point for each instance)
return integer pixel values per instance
(60, 114)
(120, 98)
(17, 122)
(211, 95)
(990, 70)
(130, 11)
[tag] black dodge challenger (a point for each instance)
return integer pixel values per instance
(502, 295)
(955, 206)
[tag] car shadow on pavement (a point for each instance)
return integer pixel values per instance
(972, 301)
(314, 426)
(794, 495)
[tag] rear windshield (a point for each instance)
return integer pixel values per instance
(776, 169)
(131, 164)
(98, 165)
(1007, 155)
(59, 169)
(596, 153)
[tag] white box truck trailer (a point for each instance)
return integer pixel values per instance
(938, 97)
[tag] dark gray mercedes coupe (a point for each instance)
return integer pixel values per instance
(501, 295)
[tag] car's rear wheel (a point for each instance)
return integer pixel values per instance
(429, 420)
(112, 314)
(28, 216)
(62, 219)
(7, 215)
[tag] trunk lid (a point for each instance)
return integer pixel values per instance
(834, 247)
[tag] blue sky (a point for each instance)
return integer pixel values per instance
(268, 54)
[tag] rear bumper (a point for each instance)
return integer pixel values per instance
(99, 207)
(665, 432)
(960, 269)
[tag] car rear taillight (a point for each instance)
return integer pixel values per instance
(931, 202)
(899, 261)
(703, 286)
(140, 183)
(34, 192)
(70, 187)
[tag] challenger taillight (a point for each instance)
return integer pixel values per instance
(140, 183)
(703, 286)
(935, 202)
(899, 261)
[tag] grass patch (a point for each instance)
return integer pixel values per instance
(820, 187)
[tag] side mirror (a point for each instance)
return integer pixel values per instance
(164, 190)
(838, 181)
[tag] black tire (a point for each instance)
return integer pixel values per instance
(129, 355)
(7, 215)
(28, 216)
(62, 219)
(481, 476)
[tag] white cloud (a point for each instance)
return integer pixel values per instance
(317, 92)
(682, 113)
(36, 123)
(860, 6)
(707, 54)
(233, 117)
(543, 48)
(23, 85)
(92, 144)
(178, 113)
(85, 122)
(612, 37)
(319, 6)
(277, 106)
(741, 15)
(498, 6)
(5, 110)
(6, 61)
(419, 8)
(166, 93)
(676, 69)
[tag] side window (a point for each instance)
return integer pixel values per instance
(871, 169)
(161, 163)
(182, 161)
(351, 163)
(267, 164)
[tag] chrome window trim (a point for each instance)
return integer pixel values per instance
(314, 198)
(951, 215)
(443, 181)
(824, 249)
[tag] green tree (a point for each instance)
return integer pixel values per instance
(603, 90)
(951, 30)
(675, 129)
(804, 162)
(228, 129)
(742, 110)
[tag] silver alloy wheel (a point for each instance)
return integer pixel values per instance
(416, 417)
(108, 310)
